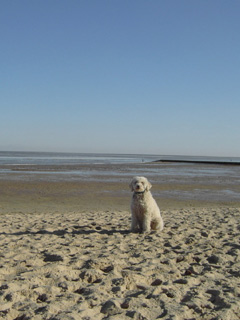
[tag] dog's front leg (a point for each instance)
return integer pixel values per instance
(134, 223)
(146, 225)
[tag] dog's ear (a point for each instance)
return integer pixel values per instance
(148, 185)
(131, 186)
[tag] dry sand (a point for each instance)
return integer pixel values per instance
(66, 259)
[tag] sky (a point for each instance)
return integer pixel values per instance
(120, 76)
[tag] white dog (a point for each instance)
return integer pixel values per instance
(145, 211)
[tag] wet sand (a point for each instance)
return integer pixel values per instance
(92, 187)
(41, 196)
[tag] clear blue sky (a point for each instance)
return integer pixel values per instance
(120, 76)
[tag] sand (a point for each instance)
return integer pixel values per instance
(87, 265)
(66, 253)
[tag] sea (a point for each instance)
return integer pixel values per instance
(97, 166)
(57, 158)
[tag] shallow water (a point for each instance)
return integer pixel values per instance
(54, 158)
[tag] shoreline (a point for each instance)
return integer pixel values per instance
(106, 186)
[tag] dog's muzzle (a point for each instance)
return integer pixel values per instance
(139, 192)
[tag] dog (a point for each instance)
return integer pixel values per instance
(146, 214)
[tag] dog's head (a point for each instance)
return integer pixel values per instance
(140, 184)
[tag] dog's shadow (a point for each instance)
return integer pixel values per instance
(76, 230)
(86, 230)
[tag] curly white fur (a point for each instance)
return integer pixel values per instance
(145, 211)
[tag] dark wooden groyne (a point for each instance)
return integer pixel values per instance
(229, 163)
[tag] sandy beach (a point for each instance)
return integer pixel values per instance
(66, 253)
(94, 96)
